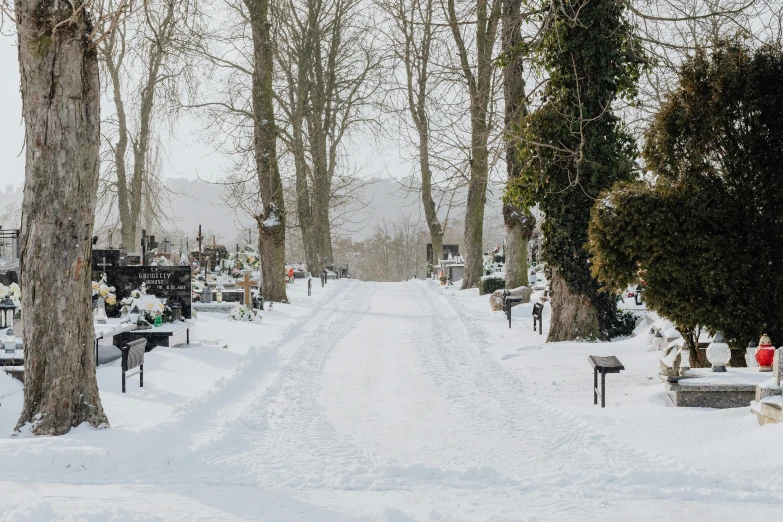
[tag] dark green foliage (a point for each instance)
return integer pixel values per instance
(573, 145)
(708, 235)
(487, 285)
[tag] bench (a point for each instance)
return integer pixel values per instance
(133, 357)
(508, 301)
(538, 315)
(604, 365)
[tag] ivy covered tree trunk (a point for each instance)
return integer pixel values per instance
(271, 222)
(573, 147)
(61, 109)
(519, 223)
(573, 316)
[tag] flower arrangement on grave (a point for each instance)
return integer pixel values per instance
(197, 288)
(13, 291)
(101, 289)
(144, 308)
(244, 313)
(238, 263)
(161, 261)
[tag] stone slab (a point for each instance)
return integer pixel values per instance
(702, 388)
(768, 411)
(218, 308)
(711, 399)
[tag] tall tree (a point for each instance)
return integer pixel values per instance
(573, 147)
(413, 44)
(518, 220)
(61, 110)
(478, 79)
(148, 44)
(711, 221)
(326, 56)
(271, 218)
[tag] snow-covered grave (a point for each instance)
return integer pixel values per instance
(391, 402)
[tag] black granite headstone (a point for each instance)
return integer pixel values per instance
(166, 282)
(104, 260)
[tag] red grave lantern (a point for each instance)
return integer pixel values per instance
(765, 354)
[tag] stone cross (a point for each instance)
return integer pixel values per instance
(246, 284)
(166, 244)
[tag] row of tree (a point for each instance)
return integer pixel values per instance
(282, 83)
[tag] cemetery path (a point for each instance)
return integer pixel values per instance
(384, 399)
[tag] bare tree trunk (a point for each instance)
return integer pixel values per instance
(271, 222)
(113, 58)
(519, 224)
(130, 193)
(574, 318)
(474, 213)
(61, 108)
(479, 90)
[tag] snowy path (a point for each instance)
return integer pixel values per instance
(383, 402)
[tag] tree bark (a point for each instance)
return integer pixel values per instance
(574, 318)
(479, 89)
(519, 223)
(61, 109)
(271, 221)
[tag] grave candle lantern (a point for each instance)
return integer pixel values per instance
(765, 354)
(219, 293)
(7, 309)
(718, 353)
(9, 343)
(100, 311)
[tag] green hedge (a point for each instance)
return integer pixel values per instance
(487, 285)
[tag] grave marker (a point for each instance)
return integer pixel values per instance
(247, 284)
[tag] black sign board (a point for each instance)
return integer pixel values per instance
(133, 259)
(166, 282)
(447, 249)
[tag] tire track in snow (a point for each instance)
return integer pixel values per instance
(554, 439)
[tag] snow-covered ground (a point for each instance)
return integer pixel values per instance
(393, 402)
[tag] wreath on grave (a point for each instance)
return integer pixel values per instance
(143, 308)
(244, 313)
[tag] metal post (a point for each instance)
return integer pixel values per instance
(603, 389)
(595, 385)
(123, 379)
(141, 376)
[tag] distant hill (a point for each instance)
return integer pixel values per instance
(194, 202)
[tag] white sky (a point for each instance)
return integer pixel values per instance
(187, 157)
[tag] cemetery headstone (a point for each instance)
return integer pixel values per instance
(165, 282)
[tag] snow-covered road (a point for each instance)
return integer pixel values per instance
(385, 401)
